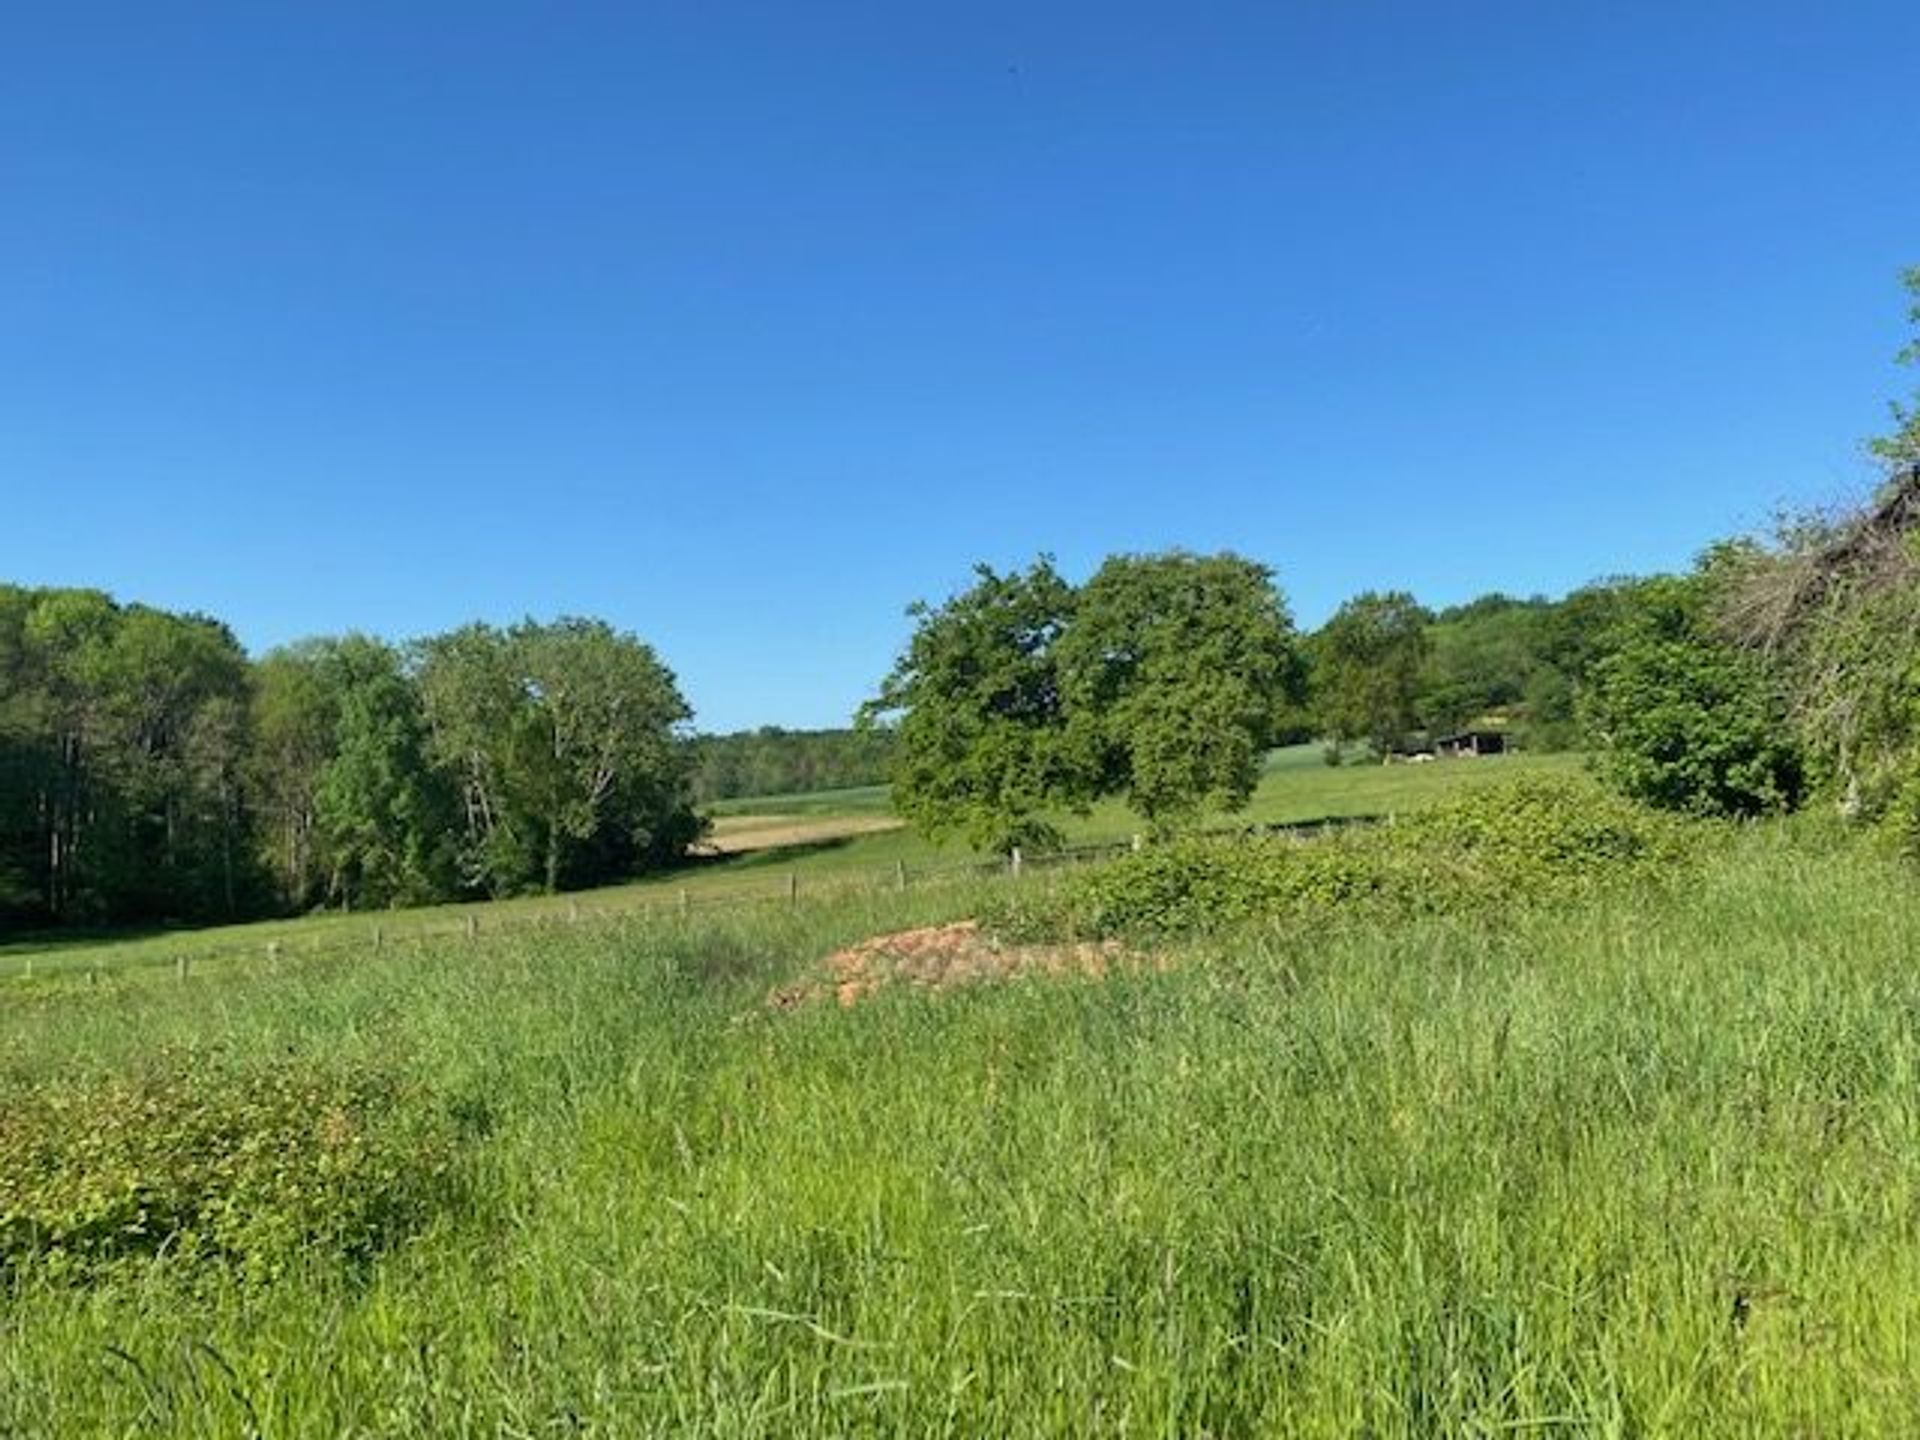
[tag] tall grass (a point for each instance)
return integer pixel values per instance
(1646, 1166)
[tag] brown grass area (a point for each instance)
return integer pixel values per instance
(737, 834)
(939, 957)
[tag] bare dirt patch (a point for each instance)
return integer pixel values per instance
(737, 834)
(940, 957)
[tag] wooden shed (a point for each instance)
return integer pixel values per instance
(1469, 743)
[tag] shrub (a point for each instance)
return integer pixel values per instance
(204, 1159)
(1530, 841)
(1685, 721)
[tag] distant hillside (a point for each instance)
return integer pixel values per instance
(773, 761)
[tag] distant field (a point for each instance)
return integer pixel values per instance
(860, 800)
(831, 839)
(738, 834)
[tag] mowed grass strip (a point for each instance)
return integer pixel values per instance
(1646, 1166)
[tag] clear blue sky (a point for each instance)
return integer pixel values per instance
(744, 325)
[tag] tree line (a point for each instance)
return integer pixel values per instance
(1778, 668)
(150, 771)
(773, 761)
(1164, 680)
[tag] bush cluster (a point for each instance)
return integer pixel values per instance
(204, 1159)
(1531, 841)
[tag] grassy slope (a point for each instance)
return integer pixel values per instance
(1651, 1167)
(1297, 786)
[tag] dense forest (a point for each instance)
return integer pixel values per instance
(150, 771)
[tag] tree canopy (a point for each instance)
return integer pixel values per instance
(1368, 664)
(1684, 720)
(1176, 672)
(563, 738)
(981, 750)
(149, 771)
(1161, 680)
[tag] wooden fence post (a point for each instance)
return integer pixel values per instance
(379, 939)
(899, 874)
(180, 968)
(686, 900)
(573, 912)
(1015, 861)
(473, 927)
(29, 967)
(793, 889)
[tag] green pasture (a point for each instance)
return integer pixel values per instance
(1296, 786)
(1646, 1165)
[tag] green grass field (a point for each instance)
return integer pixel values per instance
(1297, 786)
(1646, 1165)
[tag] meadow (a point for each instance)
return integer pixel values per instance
(1642, 1163)
(1296, 786)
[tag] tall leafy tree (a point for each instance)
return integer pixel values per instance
(1176, 672)
(565, 743)
(1162, 680)
(122, 742)
(384, 813)
(981, 745)
(296, 715)
(1368, 660)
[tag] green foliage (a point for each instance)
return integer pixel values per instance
(1686, 721)
(123, 740)
(773, 761)
(1368, 662)
(199, 1159)
(1505, 845)
(1386, 671)
(1902, 818)
(1176, 671)
(1482, 658)
(150, 773)
(565, 741)
(1855, 679)
(1164, 679)
(1900, 448)
(980, 731)
(355, 813)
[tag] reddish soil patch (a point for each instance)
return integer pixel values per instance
(938, 957)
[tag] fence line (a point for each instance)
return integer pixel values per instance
(661, 902)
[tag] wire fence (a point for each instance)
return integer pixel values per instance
(380, 932)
